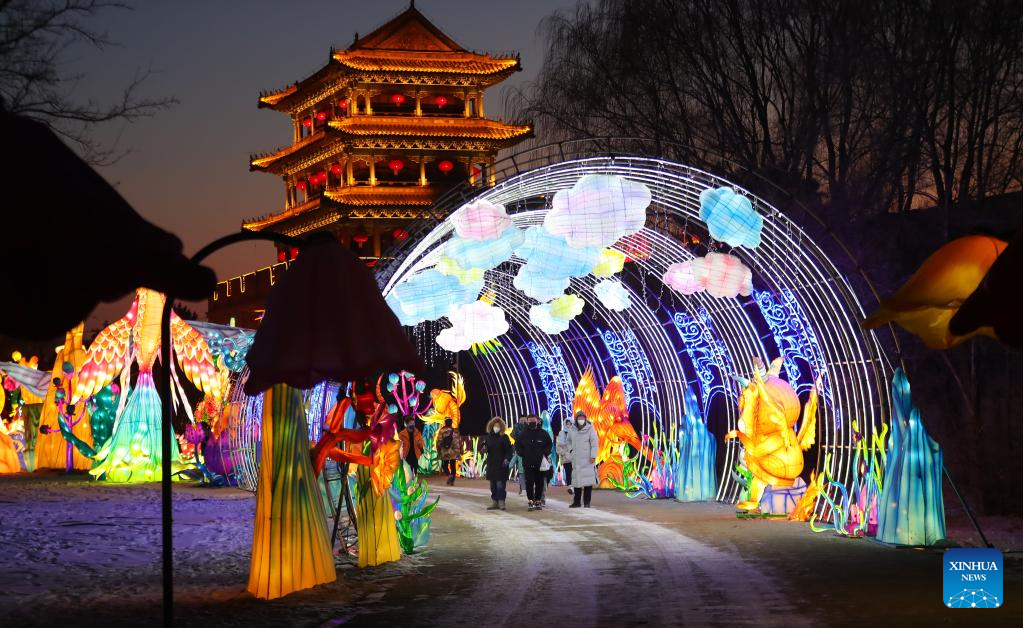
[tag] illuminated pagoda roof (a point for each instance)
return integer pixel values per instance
(381, 129)
(408, 49)
(411, 202)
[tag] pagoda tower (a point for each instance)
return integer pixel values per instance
(381, 131)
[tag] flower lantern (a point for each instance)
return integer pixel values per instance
(361, 238)
(301, 185)
(400, 234)
(398, 99)
(441, 101)
(321, 116)
(335, 169)
(396, 166)
(446, 166)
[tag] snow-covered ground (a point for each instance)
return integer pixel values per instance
(75, 552)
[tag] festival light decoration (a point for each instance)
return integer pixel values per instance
(697, 479)
(132, 454)
(720, 274)
(598, 210)
(551, 256)
(772, 450)
(911, 507)
(566, 307)
(554, 377)
(466, 276)
(929, 299)
(412, 516)
(612, 295)
(796, 341)
(446, 404)
(440, 101)
(543, 317)
(537, 286)
(709, 332)
(633, 368)
(610, 418)
(480, 220)
(398, 99)
(485, 254)
(445, 166)
(730, 217)
(51, 450)
(611, 263)
(429, 296)
(321, 116)
(396, 166)
(475, 323)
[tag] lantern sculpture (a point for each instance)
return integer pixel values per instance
(609, 415)
(772, 450)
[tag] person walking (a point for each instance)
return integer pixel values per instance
(534, 446)
(411, 445)
(499, 454)
(584, 448)
(517, 430)
(449, 448)
(564, 449)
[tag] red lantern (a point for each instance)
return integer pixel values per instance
(343, 103)
(335, 169)
(360, 238)
(321, 116)
(446, 166)
(294, 252)
(400, 234)
(371, 263)
(398, 99)
(636, 247)
(301, 185)
(308, 122)
(396, 166)
(282, 255)
(441, 101)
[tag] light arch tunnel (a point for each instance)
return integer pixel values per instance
(802, 309)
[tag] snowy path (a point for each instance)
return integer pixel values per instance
(583, 566)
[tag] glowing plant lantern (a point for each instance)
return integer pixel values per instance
(398, 99)
(335, 169)
(301, 185)
(696, 480)
(772, 450)
(446, 166)
(441, 101)
(51, 450)
(911, 509)
(730, 217)
(929, 299)
(321, 116)
(396, 166)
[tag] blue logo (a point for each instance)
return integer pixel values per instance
(972, 578)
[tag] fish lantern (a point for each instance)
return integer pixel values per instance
(396, 166)
(446, 166)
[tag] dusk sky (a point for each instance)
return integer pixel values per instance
(187, 170)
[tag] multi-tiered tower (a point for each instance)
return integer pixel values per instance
(381, 130)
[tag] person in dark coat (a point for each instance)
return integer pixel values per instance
(534, 446)
(499, 454)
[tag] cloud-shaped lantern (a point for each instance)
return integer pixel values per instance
(550, 256)
(730, 217)
(720, 274)
(485, 254)
(598, 210)
(466, 276)
(537, 286)
(480, 220)
(612, 295)
(429, 295)
(553, 318)
(473, 323)
(611, 262)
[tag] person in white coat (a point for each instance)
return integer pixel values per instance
(583, 446)
(564, 449)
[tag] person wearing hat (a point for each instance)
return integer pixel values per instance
(534, 446)
(584, 448)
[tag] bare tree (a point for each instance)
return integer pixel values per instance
(35, 36)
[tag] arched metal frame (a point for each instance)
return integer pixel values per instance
(655, 342)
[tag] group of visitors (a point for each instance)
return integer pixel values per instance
(531, 455)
